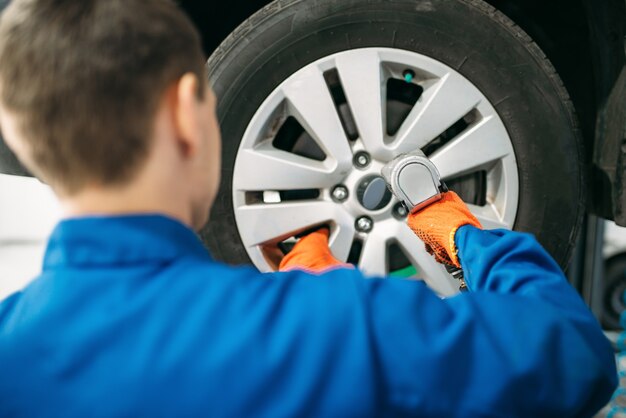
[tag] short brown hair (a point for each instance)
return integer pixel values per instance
(85, 77)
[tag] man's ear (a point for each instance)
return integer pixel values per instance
(187, 115)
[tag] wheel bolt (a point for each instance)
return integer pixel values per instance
(340, 194)
(364, 224)
(399, 211)
(362, 159)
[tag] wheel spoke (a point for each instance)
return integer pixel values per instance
(311, 104)
(361, 78)
(488, 216)
(341, 240)
(480, 146)
(280, 170)
(433, 273)
(437, 278)
(274, 222)
(373, 260)
(440, 106)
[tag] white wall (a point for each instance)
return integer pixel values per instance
(28, 213)
(614, 240)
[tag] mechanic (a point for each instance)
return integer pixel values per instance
(106, 101)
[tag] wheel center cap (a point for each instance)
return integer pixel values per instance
(373, 193)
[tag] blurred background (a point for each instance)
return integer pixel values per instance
(28, 213)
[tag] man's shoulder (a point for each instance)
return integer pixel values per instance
(7, 306)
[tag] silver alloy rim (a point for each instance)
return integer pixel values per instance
(263, 170)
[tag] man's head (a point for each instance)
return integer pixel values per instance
(92, 91)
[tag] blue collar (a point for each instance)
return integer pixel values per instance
(120, 240)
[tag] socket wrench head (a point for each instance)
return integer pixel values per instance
(414, 180)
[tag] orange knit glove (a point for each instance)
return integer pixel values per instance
(437, 224)
(312, 254)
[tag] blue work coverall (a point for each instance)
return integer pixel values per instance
(131, 317)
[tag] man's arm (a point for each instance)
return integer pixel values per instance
(521, 344)
(511, 263)
(503, 352)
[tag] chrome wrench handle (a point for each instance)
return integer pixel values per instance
(416, 183)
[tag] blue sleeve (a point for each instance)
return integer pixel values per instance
(533, 326)
(521, 344)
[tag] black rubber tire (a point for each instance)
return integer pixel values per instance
(613, 303)
(467, 35)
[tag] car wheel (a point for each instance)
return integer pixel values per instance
(316, 96)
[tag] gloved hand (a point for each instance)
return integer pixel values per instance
(312, 254)
(437, 224)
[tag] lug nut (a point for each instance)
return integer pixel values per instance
(340, 194)
(399, 211)
(364, 224)
(362, 159)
